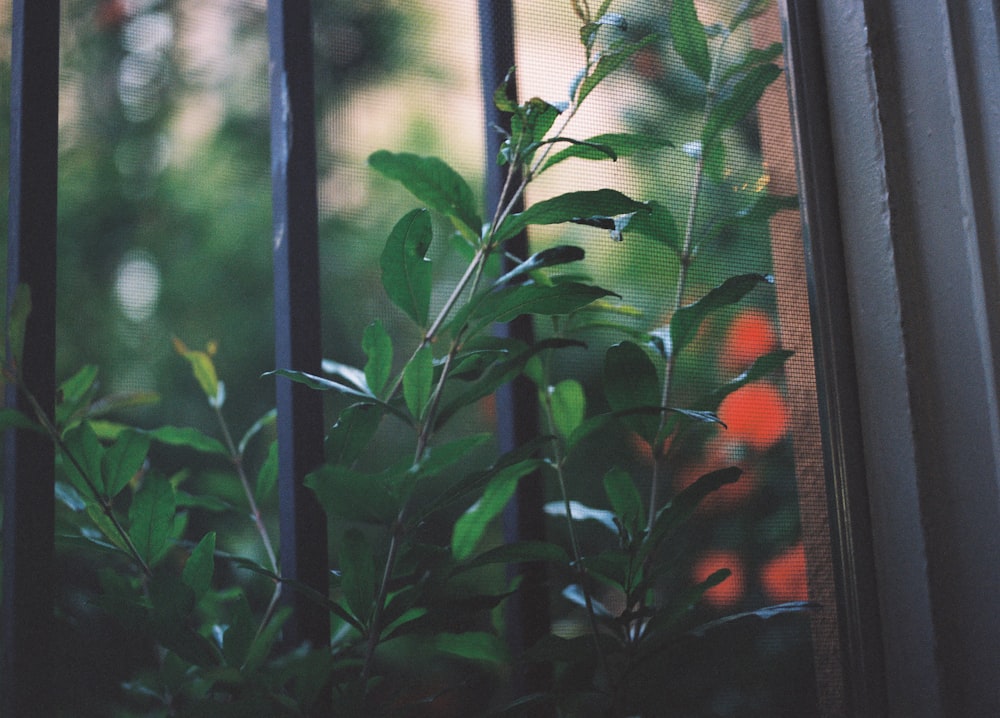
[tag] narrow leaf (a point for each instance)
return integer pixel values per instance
(551, 257)
(202, 367)
(470, 527)
(741, 100)
(511, 302)
(377, 346)
(611, 145)
(609, 61)
(266, 420)
(267, 477)
(200, 566)
(521, 552)
(352, 495)
(747, 10)
(188, 437)
(357, 567)
(688, 319)
(689, 38)
(569, 207)
(13, 419)
(433, 182)
(418, 381)
(87, 455)
(473, 646)
(18, 322)
(406, 274)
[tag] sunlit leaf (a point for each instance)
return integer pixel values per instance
(202, 367)
(569, 405)
(433, 182)
(472, 525)
(406, 273)
(188, 437)
(582, 512)
(689, 38)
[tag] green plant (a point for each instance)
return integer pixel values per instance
(409, 608)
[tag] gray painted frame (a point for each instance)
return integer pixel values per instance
(901, 206)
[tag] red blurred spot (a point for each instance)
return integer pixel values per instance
(783, 578)
(110, 14)
(756, 415)
(647, 64)
(750, 335)
(730, 592)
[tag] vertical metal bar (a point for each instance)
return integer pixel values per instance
(28, 522)
(517, 403)
(297, 314)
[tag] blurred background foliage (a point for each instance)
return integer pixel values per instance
(165, 231)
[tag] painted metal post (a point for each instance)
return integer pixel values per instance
(28, 503)
(297, 314)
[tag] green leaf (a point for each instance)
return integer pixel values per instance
(14, 419)
(267, 477)
(266, 420)
(200, 566)
(418, 381)
(123, 460)
(406, 274)
(377, 346)
(714, 161)
(624, 498)
(611, 145)
(739, 101)
(324, 384)
(551, 257)
(473, 646)
(188, 437)
(511, 302)
(151, 517)
(470, 526)
(688, 319)
(753, 57)
(357, 567)
(203, 369)
(609, 61)
(348, 438)
(658, 224)
(682, 506)
(689, 38)
(569, 406)
(74, 392)
(570, 207)
(352, 495)
(501, 96)
(529, 124)
(238, 637)
(264, 640)
(18, 323)
(631, 381)
(82, 443)
(433, 182)
(761, 367)
(521, 552)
